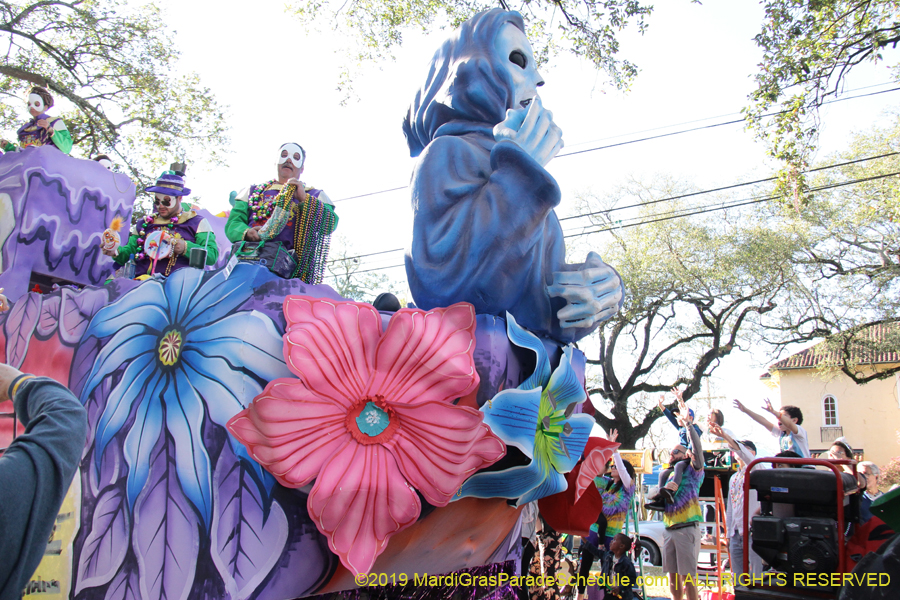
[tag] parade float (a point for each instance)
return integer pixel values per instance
(259, 437)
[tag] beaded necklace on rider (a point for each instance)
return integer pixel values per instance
(259, 208)
(142, 228)
(312, 239)
(175, 237)
(312, 233)
(279, 218)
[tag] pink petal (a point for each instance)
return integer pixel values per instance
(594, 463)
(426, 356)
(330, 345)
(291, 431)
(439, 445)
(359, 501)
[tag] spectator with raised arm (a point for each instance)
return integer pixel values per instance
(681, 539)
(683, 438)
(745, 451)
(791, 436)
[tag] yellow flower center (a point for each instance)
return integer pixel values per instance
(170, 348)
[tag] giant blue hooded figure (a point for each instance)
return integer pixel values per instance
(485, 231)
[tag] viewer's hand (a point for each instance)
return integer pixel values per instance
(592, 291)
(252, 234)
(613, 434)
(716, 430)
(533, 130)
(768, 407)
(739, 405)
(7, 374)
(677, 393)
(684, 414)
(660, 404)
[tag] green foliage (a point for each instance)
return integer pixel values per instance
(697, 287)
(587, 28)
(848, 256)
(114, 62)
(809, 47)
(890, 474)
(343, 274)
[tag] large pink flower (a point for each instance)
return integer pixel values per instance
(370, 418)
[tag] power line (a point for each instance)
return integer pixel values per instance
(657, 201)
(727, 187)
(692, 213)
(734, 205)
(653, 137)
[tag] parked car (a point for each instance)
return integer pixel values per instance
(650, 534)
(650, 540)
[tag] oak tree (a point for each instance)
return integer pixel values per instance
(114, 66)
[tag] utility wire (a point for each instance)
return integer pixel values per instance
(648, 138)
(706, 209)
(727, 187)
(657, 201)
(734, 205)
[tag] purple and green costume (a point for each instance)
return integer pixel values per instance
(193, 229)
(240, 219)
(30, 134)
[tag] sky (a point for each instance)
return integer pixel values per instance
(279, 81)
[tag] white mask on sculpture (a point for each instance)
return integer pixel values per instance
(515, 51)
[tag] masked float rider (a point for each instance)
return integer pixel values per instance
(169, 234)
(41, 129)
(254, 206)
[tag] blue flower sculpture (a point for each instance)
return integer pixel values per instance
(536, 418)
(179, 353)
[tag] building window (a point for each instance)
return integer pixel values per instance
(829, 411)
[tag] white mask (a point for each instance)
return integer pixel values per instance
(294, 152)
(36, 102)
(106, 163)
(164, 200)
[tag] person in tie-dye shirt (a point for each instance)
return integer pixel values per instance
(616, 489)
(681, 539)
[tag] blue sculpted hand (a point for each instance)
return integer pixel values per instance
(533, 129)
(593, 292)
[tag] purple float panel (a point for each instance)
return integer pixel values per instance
(218, 227)
(53, 210)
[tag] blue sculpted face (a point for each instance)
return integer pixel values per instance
(519, 62)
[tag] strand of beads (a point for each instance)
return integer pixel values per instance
(281, 214)
(312, 240)
(142, 230)
(260, 209)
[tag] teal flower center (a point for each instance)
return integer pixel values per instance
(372, 420)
